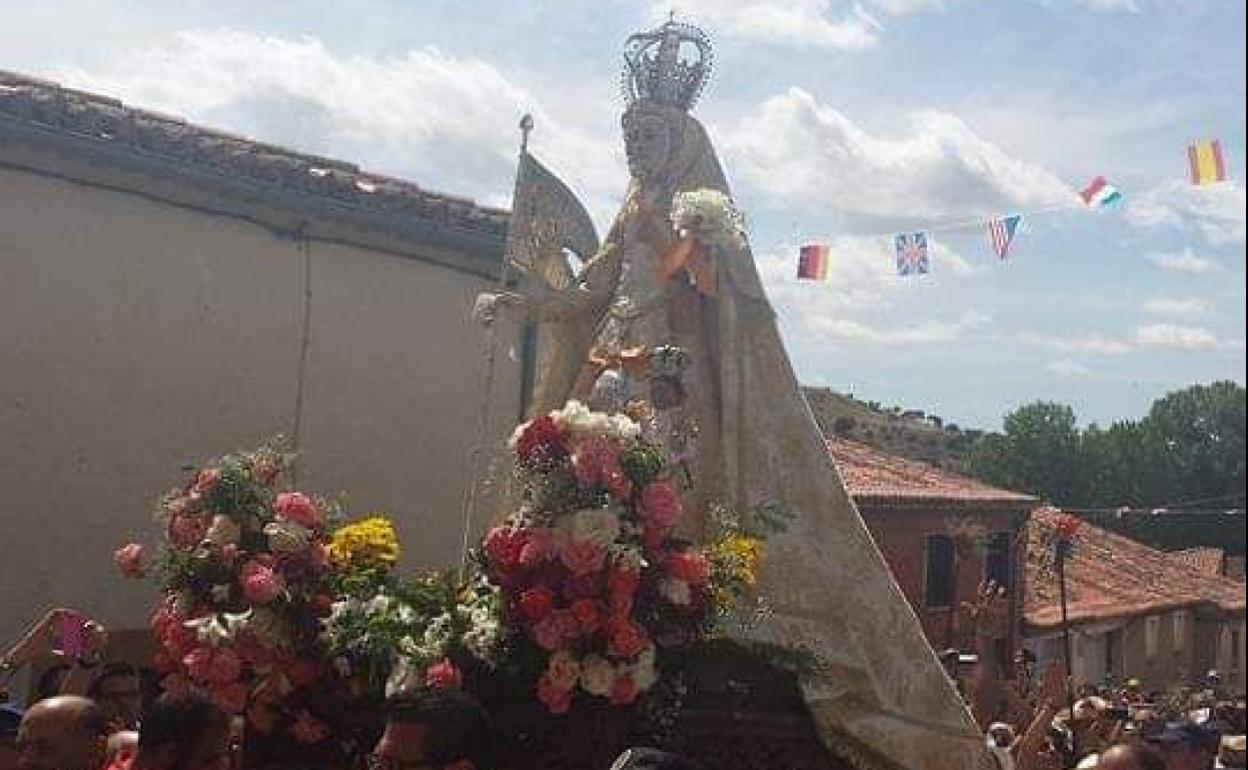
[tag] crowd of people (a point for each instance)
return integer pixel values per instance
(86, 714)
(1035, 722)
(89, 714)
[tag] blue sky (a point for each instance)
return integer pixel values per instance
(837, 122)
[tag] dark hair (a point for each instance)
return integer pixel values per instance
(110, 671)
(50, 682)
(180, 721)
(459, 727)
(92, 720)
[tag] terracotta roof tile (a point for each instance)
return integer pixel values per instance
(1110, 576)
(874, 476)
(107, 122)
(1203, 559)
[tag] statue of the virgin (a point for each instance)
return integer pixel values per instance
(740, 421)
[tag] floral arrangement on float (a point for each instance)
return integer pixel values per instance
(395, 635)
(246, 573)
(594, 581)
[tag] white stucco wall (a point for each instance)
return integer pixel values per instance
(136, 336)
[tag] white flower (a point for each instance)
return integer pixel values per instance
(597, 675)
(287, 536)
(220, 592)
(405, 615)
(594, 525)
(404, 678)
(624, 427)
(710, 216)
(378, 605)
(210, 630)
(223, 531)
(564, 669)
(676, 592)
(627, 558)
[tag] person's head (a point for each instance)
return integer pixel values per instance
(65, 732)
(435, 729)
(119, 692)
(1130, 756)
(49, 683)
(184, 733)
(1187, 746)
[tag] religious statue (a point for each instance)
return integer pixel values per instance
(676, 277)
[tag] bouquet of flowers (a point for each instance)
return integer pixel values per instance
(394, 635)
(593, 579)
(247, 576)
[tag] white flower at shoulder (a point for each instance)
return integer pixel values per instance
(710, 216)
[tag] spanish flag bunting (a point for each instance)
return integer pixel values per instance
(1206, 162)
(812, 263)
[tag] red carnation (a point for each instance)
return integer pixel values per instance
(540, 443)
(624, 691)
(660, 504)
(688, 566)
(588, 615)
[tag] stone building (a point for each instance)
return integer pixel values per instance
(942, 534)
(170, 292)
(1164, 618)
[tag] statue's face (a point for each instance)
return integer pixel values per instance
(647, 144)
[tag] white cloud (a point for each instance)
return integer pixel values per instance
(1215, 211)
(1098, 344)
(1183, 262)
(443, 121)
(1067, 369)
(1180, 307)
(798, 23)
(813, 157)
(1114, 5)
(923, 332)
(1174, 337)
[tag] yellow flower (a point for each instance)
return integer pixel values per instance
(370, 542)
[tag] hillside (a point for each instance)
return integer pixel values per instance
(906, 433)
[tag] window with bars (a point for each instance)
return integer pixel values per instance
(938, 571)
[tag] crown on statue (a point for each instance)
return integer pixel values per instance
(669, 65)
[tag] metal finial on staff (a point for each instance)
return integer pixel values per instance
(526, 125)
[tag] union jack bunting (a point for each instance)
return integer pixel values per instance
(1001, 232)
(912, 254)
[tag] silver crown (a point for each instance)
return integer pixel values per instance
(655, 71)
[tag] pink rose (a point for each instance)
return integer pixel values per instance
(539, 546)
(660, 504)
(198, 663)
(261, 584)
(596, 461)
(308, 729)
(548, 633)
(297, 507)
(624, 691)
(207, 480)
(129, 560)
(444, 675)
(581, 558)
(536, 603)
(232, 697)
(225, 667)
(588, 616)
(556, 699)
(187, 530)
(689, 566)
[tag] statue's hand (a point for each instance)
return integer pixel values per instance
(485, 309)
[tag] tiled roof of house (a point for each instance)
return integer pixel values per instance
(1109, 576)
(103, 123)
(1202, 559)
(874, 476)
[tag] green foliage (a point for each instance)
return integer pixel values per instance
(1190, 447)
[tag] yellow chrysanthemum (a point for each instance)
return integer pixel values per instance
(741, 556)
(370, 542)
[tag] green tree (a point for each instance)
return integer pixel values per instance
(1197, 436)
(1039, 452)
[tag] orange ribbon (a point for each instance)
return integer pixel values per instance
(690, 255)
(635, 361)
